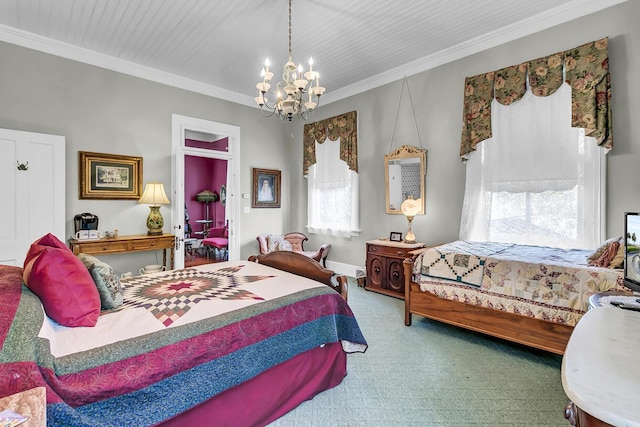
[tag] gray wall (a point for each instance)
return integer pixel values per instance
(437, 96)
(100, 110)
(108, 112)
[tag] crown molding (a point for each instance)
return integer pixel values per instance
(559, 15)
(65, 50)
(556, 16)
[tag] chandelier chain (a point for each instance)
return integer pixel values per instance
(290, 50)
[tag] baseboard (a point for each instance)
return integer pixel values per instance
(342, 268)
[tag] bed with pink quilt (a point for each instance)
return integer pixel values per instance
(531, 295)
(232, 343)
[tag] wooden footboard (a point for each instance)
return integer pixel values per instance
(548, 336)
(304, 266)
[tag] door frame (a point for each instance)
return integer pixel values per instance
(179, 125)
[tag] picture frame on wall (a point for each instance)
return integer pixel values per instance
(223, 194)
(266, 188)
(109, 176)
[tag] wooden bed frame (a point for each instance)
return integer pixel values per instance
(304, 266)
(532, 332)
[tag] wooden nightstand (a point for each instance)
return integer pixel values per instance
(385, 272)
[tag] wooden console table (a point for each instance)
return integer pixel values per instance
(126, 244)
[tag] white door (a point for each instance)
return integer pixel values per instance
(181, 125)
(32, 172)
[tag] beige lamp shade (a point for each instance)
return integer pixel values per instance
(154, 194)
(207, 196)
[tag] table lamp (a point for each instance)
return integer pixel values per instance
(154, 196)
(410, 208)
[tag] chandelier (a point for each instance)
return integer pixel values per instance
(297, 94)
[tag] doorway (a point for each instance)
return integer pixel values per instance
(215, 146)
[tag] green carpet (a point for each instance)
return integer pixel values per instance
(433, 374)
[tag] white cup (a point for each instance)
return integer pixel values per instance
(126, 275)
(88, 234)
(152, 268)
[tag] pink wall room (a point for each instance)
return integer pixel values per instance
(202, 173)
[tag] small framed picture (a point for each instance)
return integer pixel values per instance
(109, 176)
(395, 236)
(266, 188)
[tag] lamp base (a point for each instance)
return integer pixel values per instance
(155, 222)
(410, 237)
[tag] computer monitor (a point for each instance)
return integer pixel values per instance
(632, 251)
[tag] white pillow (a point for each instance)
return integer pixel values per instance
(285, 245)
(273, 241)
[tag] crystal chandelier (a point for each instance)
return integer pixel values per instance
(297, 94)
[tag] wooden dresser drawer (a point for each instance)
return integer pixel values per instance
(146, 245)
(105, 247)
(386, 250)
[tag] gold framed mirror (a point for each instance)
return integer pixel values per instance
(405, 170)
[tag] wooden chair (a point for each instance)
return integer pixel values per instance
(296, 239)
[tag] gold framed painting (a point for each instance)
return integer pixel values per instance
(266, 188)
(109, 176)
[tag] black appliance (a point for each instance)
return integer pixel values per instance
(85, 221)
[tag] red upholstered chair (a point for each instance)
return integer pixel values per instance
(271, 242)
(217, 238)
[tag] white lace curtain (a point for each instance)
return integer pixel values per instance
(537, 180)
(332, 193)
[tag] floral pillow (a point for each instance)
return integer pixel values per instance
(618, 259)
(602, 249)
(605, 259)
(106, 280)
(273, 242)
(285, 245)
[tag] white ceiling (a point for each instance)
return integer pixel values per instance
(218, 47)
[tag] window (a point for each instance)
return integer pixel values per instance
(332, 193)
(538, 180)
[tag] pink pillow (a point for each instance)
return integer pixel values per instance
(48, 240)
(62, 282)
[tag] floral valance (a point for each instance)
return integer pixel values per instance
(345, 127)
(586, 70)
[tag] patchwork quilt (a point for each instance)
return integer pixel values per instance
(171, 295)
(546, 283)
(211, 328)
